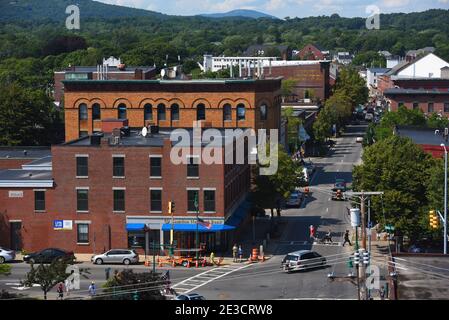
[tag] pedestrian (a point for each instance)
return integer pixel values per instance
(212, 258)
(329, 236)
(234, 252)
(60, 291)
(382, 293)
(346, 238)
(240, 252)
(312, 230)
(92, 289)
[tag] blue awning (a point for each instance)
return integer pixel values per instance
(191, 227)
(135, 226)
(239, 214)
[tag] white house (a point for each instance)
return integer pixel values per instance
(372, 75)
(427, 66)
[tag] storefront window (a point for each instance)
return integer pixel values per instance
(136, 239)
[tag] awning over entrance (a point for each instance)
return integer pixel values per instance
(191, 227)
(135, 226)
(239, 214)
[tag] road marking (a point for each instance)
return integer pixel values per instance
(219, 272)
(335, 244)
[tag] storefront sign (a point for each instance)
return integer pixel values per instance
(62, 224)
(193, 221)
(16, 194)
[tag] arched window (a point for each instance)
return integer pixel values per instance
(83, 111)
(122, 111)
(201, 112)
(263, 112)
(148, 112)
(161, 112)
(227, 112)
(174, 112)
(96, 111)
(240, 111)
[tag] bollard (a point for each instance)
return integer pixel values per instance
(107, 272)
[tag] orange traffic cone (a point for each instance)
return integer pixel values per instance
(188, 263)
(196, 263)
(173, 264)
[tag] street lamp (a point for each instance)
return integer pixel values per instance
(445, 198)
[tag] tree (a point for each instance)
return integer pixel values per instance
(293, 124)
(49, 275)
(397, 167)
(127, 285)
(352, 86)
(28, 117)
(287, 87)
(270, 190)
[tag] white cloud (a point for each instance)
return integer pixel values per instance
(395, 3)
(443, 1)
(275, 4)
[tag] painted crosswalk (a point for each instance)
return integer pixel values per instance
(206, 277)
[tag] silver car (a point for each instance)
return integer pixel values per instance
(7, 255)
(124, 256)
(302, 260)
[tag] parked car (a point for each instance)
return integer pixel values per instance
(190, 296)
(359, 139)
(7, 255)
(48, 255)
(124, 256)
(301, 260)
(309, 166)
(294, 200)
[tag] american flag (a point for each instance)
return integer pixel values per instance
(206, 224)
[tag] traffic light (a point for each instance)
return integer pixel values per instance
(171, 207)
(356, 258)
(433, 219)
(366, 257)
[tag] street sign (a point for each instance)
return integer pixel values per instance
(62, 224)
(389, 227)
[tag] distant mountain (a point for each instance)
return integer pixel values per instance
(239, 13)
(54, 10)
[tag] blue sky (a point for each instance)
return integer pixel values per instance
(283, 8)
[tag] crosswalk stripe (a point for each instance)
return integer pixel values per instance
(216, 273)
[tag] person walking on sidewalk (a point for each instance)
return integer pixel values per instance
(346, 238)
(60, 291)
(234, 252)
(312, 230)
(240, 252)
(92, 289)
(382, 293)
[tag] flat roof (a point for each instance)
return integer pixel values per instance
(19, 152)
(25, 175)
(135, 138)
(421, 135)
(400, 91)
(42, 162)
(197, 81)
(113, 69)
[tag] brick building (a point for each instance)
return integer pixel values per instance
(15, 157)
(119, 72)
(311, 52)
(241, 103)
(428, 139)
(106, 192)
(312, 79)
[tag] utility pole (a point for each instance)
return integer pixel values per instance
(363, 196)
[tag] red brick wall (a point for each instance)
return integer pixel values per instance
(61, 201)
(313, 77)
(186, 97)
(310, 52)
(423, 100)
(13, 163)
